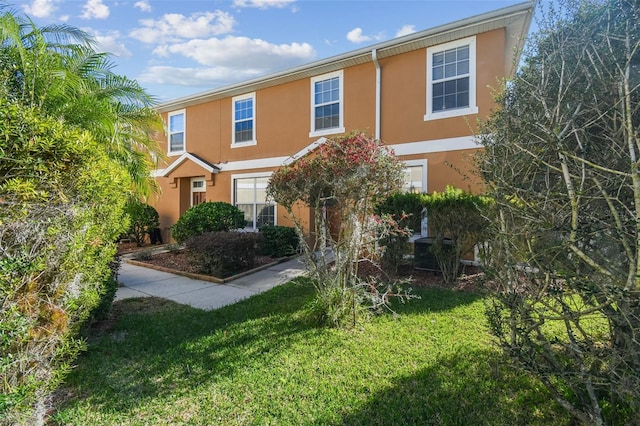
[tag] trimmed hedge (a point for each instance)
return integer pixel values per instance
(212, 216)
(223, 254)
(279, 241)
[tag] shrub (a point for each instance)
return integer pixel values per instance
(223, 254)
(454, 215)
(407, 206)
(213, 216)
(279, 241)
(143, 219)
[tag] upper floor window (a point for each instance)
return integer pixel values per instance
(177, 132)
(451, 79)
(244, 113)
(327, 104)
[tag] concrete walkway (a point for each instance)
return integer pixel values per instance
(138, 281)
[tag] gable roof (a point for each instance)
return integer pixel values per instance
(516, 19)
(211, 168)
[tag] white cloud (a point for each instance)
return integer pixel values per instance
(204, 77)
(110, 43)
(405, 30)
(40, 8)
(262, 4)
(95, 9)
(174, 27)
(143, 5)
(241, 53)
(356, 36)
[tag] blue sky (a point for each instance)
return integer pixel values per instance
(175, 48)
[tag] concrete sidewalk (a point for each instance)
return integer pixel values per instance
(138, 281)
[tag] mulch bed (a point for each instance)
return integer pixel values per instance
(179, 260)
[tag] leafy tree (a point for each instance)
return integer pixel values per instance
(342, 182)
(562, 163)
(143, 219)
(57, 70)
(75, 143)
(61, 209)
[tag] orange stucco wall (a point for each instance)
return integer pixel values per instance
(282, 121)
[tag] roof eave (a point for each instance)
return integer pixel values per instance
(516, 18)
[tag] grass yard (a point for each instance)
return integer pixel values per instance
(262, 362)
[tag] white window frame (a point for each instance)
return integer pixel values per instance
(333, 130)
(473, 107)
(234, 177)
(184, 133)
(253, 140)
(423, 164)
(203, 188)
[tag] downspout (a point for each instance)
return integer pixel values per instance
(374, 56)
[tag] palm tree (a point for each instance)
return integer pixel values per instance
(57, 70)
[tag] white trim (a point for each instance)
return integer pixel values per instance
(424, 164)
(437, 145)
(184, 133)
(409, 148)
(253, 140)
(473, 107)
(249, 176)
(193, 190)
(186, 156)
(259, 163)
(304, 151)
(334, 130)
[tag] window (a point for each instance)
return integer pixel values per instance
(326, 104)
(415, 177)
(250, 196)
(177, 132)
(244, 113)
(451, 73)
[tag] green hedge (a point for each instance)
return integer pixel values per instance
(212, 216)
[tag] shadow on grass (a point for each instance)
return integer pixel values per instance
(154, 346)
(475, 388)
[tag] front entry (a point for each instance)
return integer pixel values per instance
(198, 191)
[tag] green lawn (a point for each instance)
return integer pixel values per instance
(262, 362)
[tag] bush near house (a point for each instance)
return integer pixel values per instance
(212, 216)
(143, 219)
(279, 241)
(456, 223)
(223, 254)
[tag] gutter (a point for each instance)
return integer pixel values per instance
(374, 57)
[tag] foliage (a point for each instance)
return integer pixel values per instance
(341, 181)
(56, 244)
(57, 70)
(211, 216)
(143, 218)
(76, 141)
(259, 362)
(561, 162)
(223, 254)
(405, 205)
(279, 241)
(456, 224)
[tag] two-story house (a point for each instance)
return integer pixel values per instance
(421, 94)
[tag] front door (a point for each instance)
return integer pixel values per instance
(198, 191)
